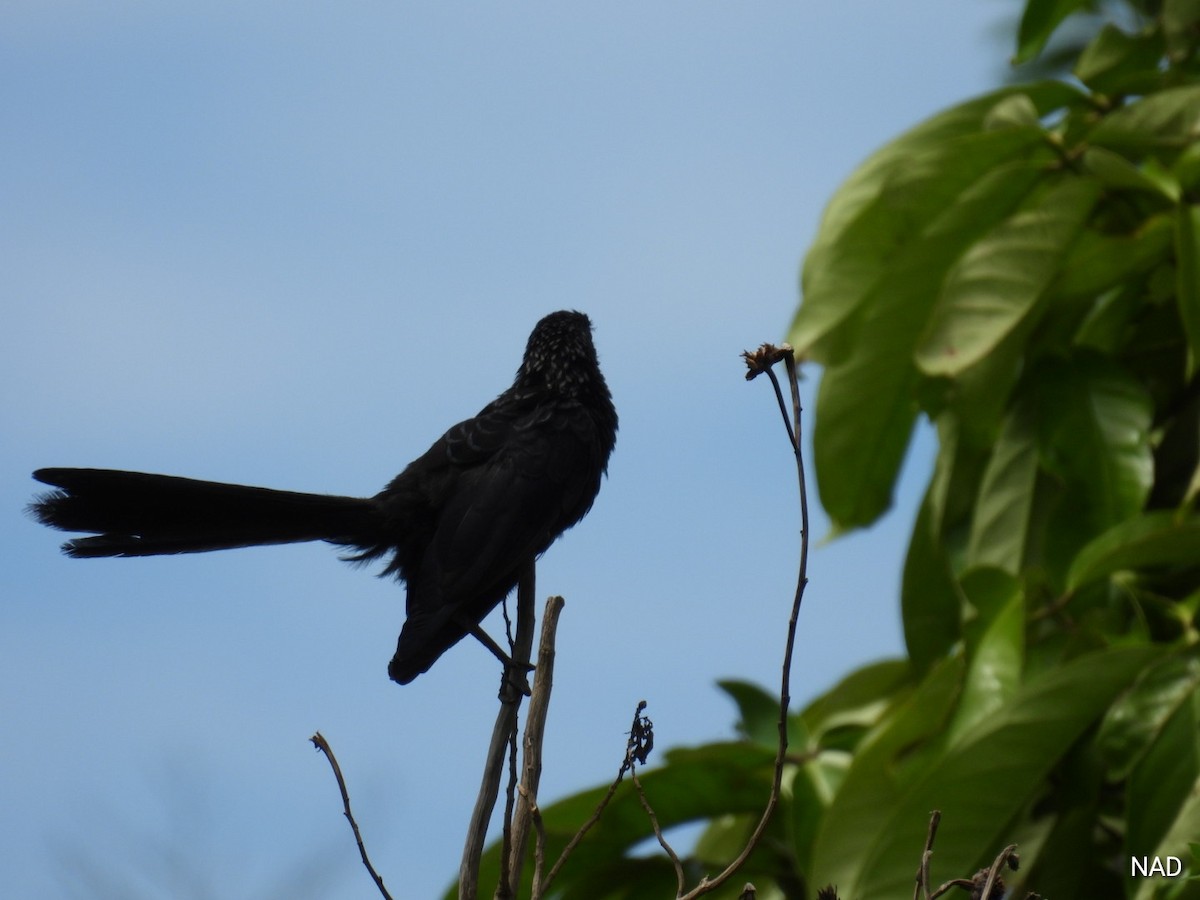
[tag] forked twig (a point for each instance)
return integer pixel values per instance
(759, 362)
(637, 749)
(502, 732)
(923, 870)
(531, 745)
(986, 883)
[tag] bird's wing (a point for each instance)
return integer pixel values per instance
(502, 514)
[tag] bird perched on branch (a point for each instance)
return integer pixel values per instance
(459, 525)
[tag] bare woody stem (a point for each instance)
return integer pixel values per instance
(318, 741)
(502, 734)
(759, 362)
(531, 745)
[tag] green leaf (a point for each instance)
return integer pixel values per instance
(867, 403)
(1186, 167)
(813, 787)
(1004, 508)
(995, 652)
(1185, 827)
(1160, 783)
(1095, 437)
(979, 396)
(1167, 120)
(839, 274)
(1181, 25)
(1014, 111)
(758, 710)
(870, 789)
(1119, 63)
(929, 598)
(1187, 275)
(1137, 719)
(1151, 540)
(993, 771)
(892, 196)
(999, 280)
(1071, 834)
(1039, 21)
(961, 460)
(859, 699)
(1115, 171)
(1098, 261)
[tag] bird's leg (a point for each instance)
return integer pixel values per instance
(513, 670)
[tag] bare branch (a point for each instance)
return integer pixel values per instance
(535, 727)
(986, 884)
(637, 749)
(321, 744)
(662, 841)
(505, 726)
(922, 884)
(1007, 855)
(763, 360)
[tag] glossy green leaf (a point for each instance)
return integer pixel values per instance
(1115, 171)
(812, 789)
(1100, 261)
(839, 275)
(1014, 111)
(867, 403)
(1094, 436)
(958, 470)
(1137, 719)
(758, 711)
(1160, 783)
(1165, 121)
(892, 197)
(1178, 842)
(1161, 538)
(1187, 275)
(1072, 835)
(930, 604)
(871, 789)
(1119, 63)
(859, 699)
(996, 650)
(1004, 506)
(999, 280)
(1039, 21)
(979, 783)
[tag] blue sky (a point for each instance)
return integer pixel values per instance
(289, 244)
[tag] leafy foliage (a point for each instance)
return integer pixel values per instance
(1023, 271)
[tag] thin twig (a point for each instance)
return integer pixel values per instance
(504, 890)
(966, 884)
(506, 725)
(579, 835)
(637, 748)
(923, 871)
(759, 362)
(994, 872)
(983, 882)
(539, 851)
(662, 841)
(321, 744)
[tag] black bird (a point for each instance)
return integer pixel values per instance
(460, 523)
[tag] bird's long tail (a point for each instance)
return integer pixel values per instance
(135, 514)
